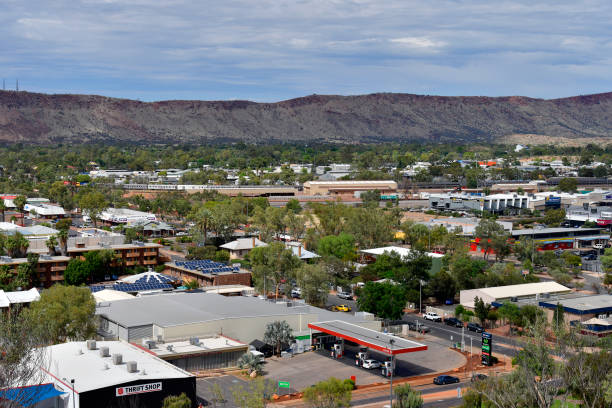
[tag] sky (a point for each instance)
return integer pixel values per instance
(271, 50)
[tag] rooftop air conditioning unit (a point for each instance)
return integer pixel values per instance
(117, 359)
(132, 367)
(91, 344)
(514, 299)
(104, 352)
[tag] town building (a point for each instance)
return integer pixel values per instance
(348, 188)
(495, 203)
(50, 269)
(128, 255)
(592, 314)
(497, 295)
(242, 246)
(114, 216)
(22, 298)
(180, 315)
(44, 211)
(208, 273)
(104, 374)
(153, 228)
(564, 238)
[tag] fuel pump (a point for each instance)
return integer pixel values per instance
(388, 367)
(338, 350)
(362, 356)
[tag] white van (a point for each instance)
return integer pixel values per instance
(258, 354)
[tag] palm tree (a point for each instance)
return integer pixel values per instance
(51, 244)
(192, 284)
(2, 209)
(62, 236)
(20, 202)
(251, 363)
(17, 245)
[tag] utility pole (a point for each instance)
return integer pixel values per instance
(391, 341)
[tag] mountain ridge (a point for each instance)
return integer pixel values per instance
(379, 117)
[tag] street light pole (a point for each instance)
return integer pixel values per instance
(73, 402)
(391, 341)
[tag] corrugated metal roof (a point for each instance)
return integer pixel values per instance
(525, 289)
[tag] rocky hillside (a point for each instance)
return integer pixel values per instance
(39, 118)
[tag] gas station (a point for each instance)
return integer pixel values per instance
(338, 332)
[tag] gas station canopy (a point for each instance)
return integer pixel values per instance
(376, 340)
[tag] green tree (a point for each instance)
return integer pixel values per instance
(256, 394)
(294, 206)
(2, 209)
(27, 276)
(52, 244)
(251, 363)
(17, 245)
(553, 218)
(568, 184)
(331, 393)
(272, 264)
(385, 300)
(277, 334)
(558, 318)
(341, 246)
(492, 238)
(371, 198)
(406, 397)
(442, 286)
(77, 272)
(64, 313)
(481, 310)
(177, 401)
(314, 282)
(92, 204)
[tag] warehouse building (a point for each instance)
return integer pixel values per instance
(109, 374)
(179, 316)
(564, 238)
(591, 313)
(496, 296)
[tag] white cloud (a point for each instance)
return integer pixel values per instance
(275, 49)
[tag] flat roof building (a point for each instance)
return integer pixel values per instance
(591, 313)
(497, 295)
(348, 187)
(177, 316)
(114, 374)
(125, 216)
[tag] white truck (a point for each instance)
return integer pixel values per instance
(434, 317)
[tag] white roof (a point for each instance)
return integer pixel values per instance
(209, 344)
(243, 243)
(150, 276)
(125, 215)
(109, 295)
(24, 296)
(352, 182)
(45, 209)
(8, 226)
(399, 250)
(92, 372)
(524, 289)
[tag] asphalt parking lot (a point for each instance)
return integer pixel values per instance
(306, 369)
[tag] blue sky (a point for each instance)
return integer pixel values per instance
(266, 50)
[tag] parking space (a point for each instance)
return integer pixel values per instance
(218, 391)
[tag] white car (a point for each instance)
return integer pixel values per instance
(371, 364)
(434, 317)
(296, 292)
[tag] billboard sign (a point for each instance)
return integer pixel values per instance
(487, 343)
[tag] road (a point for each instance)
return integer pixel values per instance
(383, 396)
(333, 300)
(444, 332)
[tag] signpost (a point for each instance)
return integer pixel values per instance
(487, 343)
(284, 384)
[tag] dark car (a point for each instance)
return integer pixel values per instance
(478, 377)
(418, 326)
(453, 321)
(475, 327)
(445, 379)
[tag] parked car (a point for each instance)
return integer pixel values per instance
(296, 293)
(181, 234)
(342, 308)
(478, 377)
(589, 257)
(475, 327)
(453, 321)
(434, 317)
(445, 379)
(371, 364)
(418, 326)
(345, 296)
